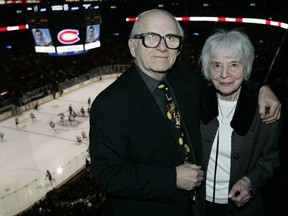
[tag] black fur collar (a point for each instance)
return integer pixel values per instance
(245, 110)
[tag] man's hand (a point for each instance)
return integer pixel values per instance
(189, 176)
(269, 105)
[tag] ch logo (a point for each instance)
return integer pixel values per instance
(68, 36)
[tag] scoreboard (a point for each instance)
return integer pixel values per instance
(20, 1)
(40, 1)
(65, 29)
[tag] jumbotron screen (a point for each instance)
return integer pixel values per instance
(65, 29)
(19, 1)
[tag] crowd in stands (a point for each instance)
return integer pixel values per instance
(24, 71)
(79, 196)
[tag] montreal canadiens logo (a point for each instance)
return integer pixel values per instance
(68, 36)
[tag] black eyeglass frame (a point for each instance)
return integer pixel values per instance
(143, 35)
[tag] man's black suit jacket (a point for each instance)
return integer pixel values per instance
(132, 151)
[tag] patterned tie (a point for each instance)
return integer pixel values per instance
(174, 116)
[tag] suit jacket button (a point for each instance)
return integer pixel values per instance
(236, 156)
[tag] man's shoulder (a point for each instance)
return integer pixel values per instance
(122, 84)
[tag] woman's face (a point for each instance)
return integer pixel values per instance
(227, 76)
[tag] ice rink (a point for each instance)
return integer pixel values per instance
(31, 148)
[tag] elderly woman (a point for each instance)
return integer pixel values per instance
(240, 152)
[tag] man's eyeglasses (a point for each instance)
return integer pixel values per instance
(152, 40)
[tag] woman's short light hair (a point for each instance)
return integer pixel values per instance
(232, 44)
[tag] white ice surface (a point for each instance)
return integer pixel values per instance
(27, 151)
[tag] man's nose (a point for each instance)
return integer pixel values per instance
(162, 45)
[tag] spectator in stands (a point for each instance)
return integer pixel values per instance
(240, 152)
(134, 153)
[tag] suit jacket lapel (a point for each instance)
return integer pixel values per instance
(150, 113)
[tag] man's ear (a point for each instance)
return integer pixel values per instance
(132, 46)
